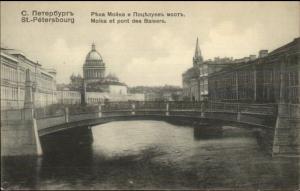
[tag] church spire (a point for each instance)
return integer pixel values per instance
(197, 50)
(197, 57)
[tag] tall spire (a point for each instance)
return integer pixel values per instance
(197, 59)
(197, 50)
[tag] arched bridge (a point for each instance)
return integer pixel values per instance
(52, 119)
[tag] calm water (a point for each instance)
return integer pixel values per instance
(155, 155)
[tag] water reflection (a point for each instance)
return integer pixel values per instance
(155, 155)
(20, 172)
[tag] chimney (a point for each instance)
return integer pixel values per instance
(263, 53)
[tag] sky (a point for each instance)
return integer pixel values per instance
(148, 54)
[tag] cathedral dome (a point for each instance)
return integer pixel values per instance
(94, 67)
(93, 55)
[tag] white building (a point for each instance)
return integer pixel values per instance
(13, 67)
(68, 97)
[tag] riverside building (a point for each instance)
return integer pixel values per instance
(13, 66)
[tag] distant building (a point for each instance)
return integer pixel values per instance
(195, 79)
(190, 78)
(98, 87)
(13, 67)
(94, 75)
(68, 97)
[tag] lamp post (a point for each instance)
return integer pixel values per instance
(83, 93)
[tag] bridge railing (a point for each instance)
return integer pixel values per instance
(73, 112)
(262, 109)
(79, 109)
(49, 111)
(184, 105)
(150, 105)
(116, 106)
(221, 107)
(60, 110)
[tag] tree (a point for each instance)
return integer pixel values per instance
(76, 82)
(112, 77)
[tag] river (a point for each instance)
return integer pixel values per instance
(155, 155)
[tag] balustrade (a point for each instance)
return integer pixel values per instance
(116, 106)
(150, 105)
(289, 110)
(263, 109)
(49, 111)
(184, 105)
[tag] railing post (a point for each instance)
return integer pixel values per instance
(66, 114)
(202, 109)
(100, 110)
(133, 109)
(167, 109)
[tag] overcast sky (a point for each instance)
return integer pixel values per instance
(149, 54)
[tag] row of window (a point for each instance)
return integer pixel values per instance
(95, 100)
(9, 73)
(205, 81)
(69, 101)
(270, 76)
(10, 93)
(71, 94)
(245, 77)
(93, 74)
(266, 77)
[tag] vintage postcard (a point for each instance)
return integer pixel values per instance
(150, 95)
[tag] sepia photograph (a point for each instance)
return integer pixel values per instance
(163, 95)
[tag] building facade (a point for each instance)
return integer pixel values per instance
(270, 78)
(13, 67)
